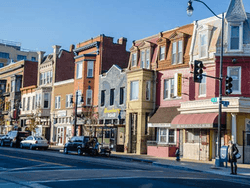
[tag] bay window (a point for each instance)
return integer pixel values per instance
(134, 90)
(79, 70)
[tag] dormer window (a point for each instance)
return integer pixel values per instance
(235, 32)
(162, 52)
(177, 52)
(145, 59)
(134, 59)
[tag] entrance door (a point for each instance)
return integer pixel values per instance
(60, 135)
(133, 132)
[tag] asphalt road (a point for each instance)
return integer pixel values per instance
(29, 168)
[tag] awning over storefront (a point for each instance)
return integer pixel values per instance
(163, 117)
(205, 120)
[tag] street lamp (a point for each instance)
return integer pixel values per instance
(190, 10)
(76, 101)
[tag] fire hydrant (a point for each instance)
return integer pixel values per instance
(177, 154)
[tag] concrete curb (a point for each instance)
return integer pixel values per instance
(175, 167)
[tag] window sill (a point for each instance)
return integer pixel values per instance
(202, 96)
(90, 77)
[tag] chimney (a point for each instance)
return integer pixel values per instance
(40, 56)
(72, 47)
(56, 49)
(122, 41)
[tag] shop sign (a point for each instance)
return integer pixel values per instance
(62, 113)
(179, 84)
(112, 110)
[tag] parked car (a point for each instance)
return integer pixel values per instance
(33, 142)
(13, 138)
(81, 144)
(86, 144)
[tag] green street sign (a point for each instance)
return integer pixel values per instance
(215, 99)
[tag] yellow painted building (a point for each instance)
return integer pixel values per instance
(140, 104)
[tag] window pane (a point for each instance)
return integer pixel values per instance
(102, 97)
(162, 52)
(174, 53)
(235, 32)
(134, 90)
(142, 59)
(166, 88)
(89, 97)
(172, 87)
(148, 90)
(79, 70)
(134, 58)
(147, 59)
(235, 74)
(90, 68)
(179, 51)
(122, 95)
(112, 95)
(46, 100)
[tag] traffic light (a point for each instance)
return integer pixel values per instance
(198, 70)
(229, 85)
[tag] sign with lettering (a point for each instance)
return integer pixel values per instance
(179, 84)
(189, 126)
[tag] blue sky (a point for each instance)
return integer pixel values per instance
(38, 25)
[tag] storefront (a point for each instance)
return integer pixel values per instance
(167, 139)
(200, 134)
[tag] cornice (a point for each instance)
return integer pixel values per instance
(88, 46)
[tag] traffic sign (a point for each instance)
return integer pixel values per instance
(215, 99)
(225, 103)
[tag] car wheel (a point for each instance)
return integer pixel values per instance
(66, 150)
(2, 143)
(79, 151)
(31, 147)
(21, 146)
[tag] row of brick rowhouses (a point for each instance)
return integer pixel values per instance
(145, 101)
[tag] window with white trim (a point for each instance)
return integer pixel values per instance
(203, 45)
(41, 79)
(68, 101)
(177, 52)
(44, 78)
(162, 52)
(48, 77)
(179, 55)
(235, 73)
(168, 88)
(148, 90)
(89, 97)
(33, 102)
(79, 97)
(90, 72)
(166, 136)
(235, 38)
(28, 103)
(79, 70)
(145, 55)
(202, 86)
(58, 102)
(134, 90)
(134, 59)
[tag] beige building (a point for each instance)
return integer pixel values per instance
(63, 111)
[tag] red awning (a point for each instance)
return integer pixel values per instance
(205, 120)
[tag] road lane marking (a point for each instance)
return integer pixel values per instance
(35, 160)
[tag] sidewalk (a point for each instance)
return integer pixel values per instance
(184, 164)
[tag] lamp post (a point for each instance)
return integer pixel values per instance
(76, 101)
(190, 10)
